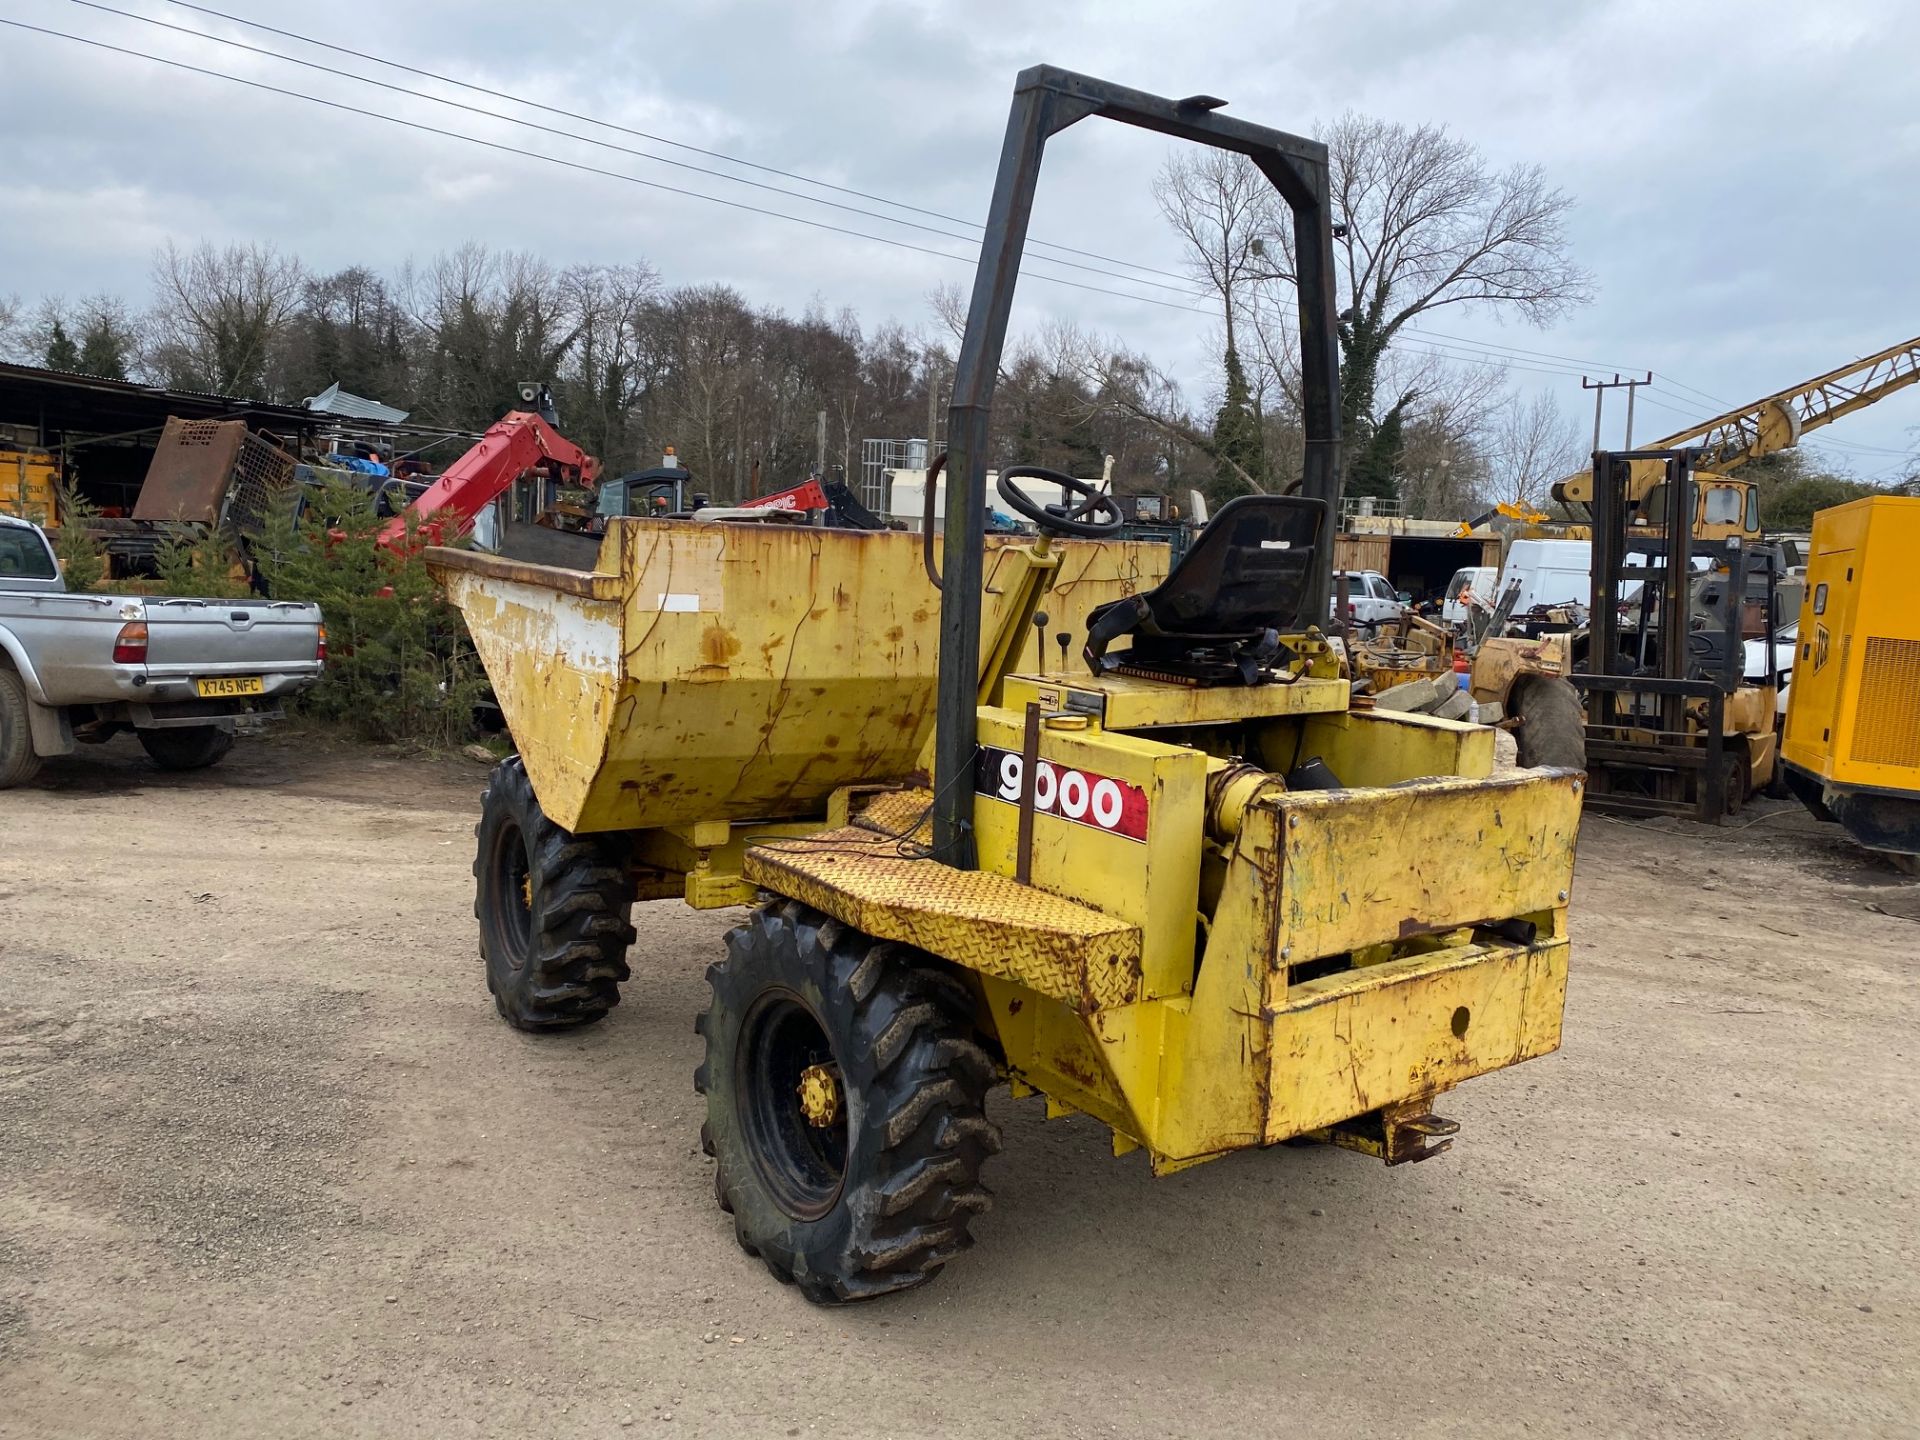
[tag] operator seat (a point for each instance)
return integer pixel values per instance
(1218, 616)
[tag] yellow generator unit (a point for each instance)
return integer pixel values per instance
(1852, 746)
(29, 485)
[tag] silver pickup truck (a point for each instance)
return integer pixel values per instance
(184, 675)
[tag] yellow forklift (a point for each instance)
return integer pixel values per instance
(1674, 726)
(1174, 881)
(1852, 743)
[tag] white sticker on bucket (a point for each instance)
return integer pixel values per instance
(679, 604)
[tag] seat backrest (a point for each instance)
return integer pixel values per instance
(1251, 569)
(1248, 573)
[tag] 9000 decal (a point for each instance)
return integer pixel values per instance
(1081, 796)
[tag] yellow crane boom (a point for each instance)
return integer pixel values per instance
(1727, 508)
(1779, 421)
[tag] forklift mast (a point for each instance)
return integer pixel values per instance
(1047, 100)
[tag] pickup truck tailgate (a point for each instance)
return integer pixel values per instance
(248, 637)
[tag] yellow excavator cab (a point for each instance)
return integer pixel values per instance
(1723, 508)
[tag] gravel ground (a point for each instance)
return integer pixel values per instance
(270, 1166)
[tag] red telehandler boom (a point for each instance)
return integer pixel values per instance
(513, 445)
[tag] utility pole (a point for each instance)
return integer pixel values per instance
(820, 463)
(1600, 388)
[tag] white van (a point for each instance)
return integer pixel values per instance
(1549, 572)
(1474, 580)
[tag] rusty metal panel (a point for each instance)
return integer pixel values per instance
(1387, 747)
(1363, 867)
(977, 919)
(191, 469)
(261, 486)
(752, 670)
(1408, 1029)
(553, 656)
(1502, 659)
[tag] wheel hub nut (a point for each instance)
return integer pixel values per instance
(819, 1090)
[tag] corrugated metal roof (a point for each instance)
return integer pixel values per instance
(335, 401)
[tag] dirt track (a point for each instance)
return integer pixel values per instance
(269, 1165)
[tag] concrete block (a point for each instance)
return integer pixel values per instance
(1408, 697)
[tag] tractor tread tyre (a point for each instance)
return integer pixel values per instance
(186, 747)
(564, 969)
(1553, 724)
(18, 762)
(914, 1084)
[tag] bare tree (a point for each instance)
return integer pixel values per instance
(1531, 445)
(487, 320)
(1223, 209)
(604, 376)
(1423, 222)
(1141, 413)
(12, 327)
(219, 313)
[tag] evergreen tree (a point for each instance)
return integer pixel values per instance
(1374, 451)
(1236, 436)
(62, 353)
(103, 350)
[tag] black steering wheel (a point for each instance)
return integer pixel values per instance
(1096, 516)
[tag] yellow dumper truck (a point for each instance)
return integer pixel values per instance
(1035, 814)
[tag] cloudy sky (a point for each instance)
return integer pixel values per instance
(1745, 174)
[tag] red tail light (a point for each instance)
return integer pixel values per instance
(1351, 610)
(320, 645)
(130, 645)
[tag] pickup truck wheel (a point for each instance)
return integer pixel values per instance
(845, 1105)
(553, 909)
(1553, 724)
(186, 747)
(18, 763)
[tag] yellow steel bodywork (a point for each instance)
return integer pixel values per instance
(29, 485)
(1070, 953)
(1253, 964)
(1346, 952)
(1853, 716)
(737, 672)
(1503, 659)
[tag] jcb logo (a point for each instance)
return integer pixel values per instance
(1821, 643)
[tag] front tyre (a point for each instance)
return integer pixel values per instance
(186, 747)
(553, 909)
(846, 1105)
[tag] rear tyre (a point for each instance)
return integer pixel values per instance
(1553, 726)
(846, 1105)
(18, 763)
(186, 747)
(553, 909)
